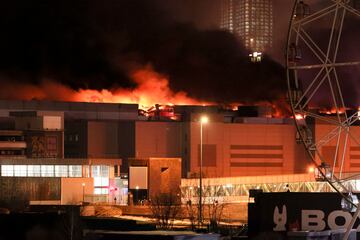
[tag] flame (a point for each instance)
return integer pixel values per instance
(331, 111)
(152, 88)
(280, 109)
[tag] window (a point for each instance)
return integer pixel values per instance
(101, 191)
(7, 170)
(104, 170)
(100, 171)
(101, 181)
(47, 170)
(20, 171)
(61, 171)
(95, 171)
(101, 175)
(33, 171)
(75, 171)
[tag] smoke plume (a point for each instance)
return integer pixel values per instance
(102, 51)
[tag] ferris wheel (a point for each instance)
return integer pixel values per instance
(323, 71)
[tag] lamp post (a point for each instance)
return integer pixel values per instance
(203, 120)
(83, 192)
(137, 194)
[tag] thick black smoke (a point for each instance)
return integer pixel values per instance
(94, 44)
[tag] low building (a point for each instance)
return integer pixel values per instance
(60, 181)
(149, 177)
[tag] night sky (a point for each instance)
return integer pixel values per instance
(97, 44)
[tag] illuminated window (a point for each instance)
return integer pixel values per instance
(101, 175)
(20, 171)
(33, 171)
(7, 170)
(61, 171)
(100, 171)
(75, 171)
(101, 191)
(101, 181)
(47, 170)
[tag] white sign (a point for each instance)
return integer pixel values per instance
(314, 220)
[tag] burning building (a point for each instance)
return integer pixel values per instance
(74, 143)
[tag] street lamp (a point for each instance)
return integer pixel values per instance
(83, 188)
(203, 120)
(311, 169)
(137, 195)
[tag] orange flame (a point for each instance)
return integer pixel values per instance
(152, 88)
(332, 111)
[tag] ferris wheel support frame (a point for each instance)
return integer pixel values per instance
(327, 72)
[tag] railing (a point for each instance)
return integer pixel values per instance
(228, 193)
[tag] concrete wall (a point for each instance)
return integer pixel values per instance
(164, 175)
(100, 139)
(246, 149)
(72, 189)
(103, 139)
(158, 139)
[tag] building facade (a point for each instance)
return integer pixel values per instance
(61, 153)
(249, 20)
(151, 177)
(92, 143)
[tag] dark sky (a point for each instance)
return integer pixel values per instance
(204, 13)
(96, 44)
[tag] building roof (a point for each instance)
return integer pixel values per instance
(46, 105)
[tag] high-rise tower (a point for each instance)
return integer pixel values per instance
(250, 20)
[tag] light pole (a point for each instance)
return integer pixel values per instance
(83, 188)
(203, 120)
(137, 194)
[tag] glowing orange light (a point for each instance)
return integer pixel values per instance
(311, 169)
(152, 88)
(299, 116)
(204, 119)
(332, 111)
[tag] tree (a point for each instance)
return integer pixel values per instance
(192, 213)
(165, 209)
(215, 211)
(211, 203)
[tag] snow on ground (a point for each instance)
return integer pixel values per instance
(179, 222)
